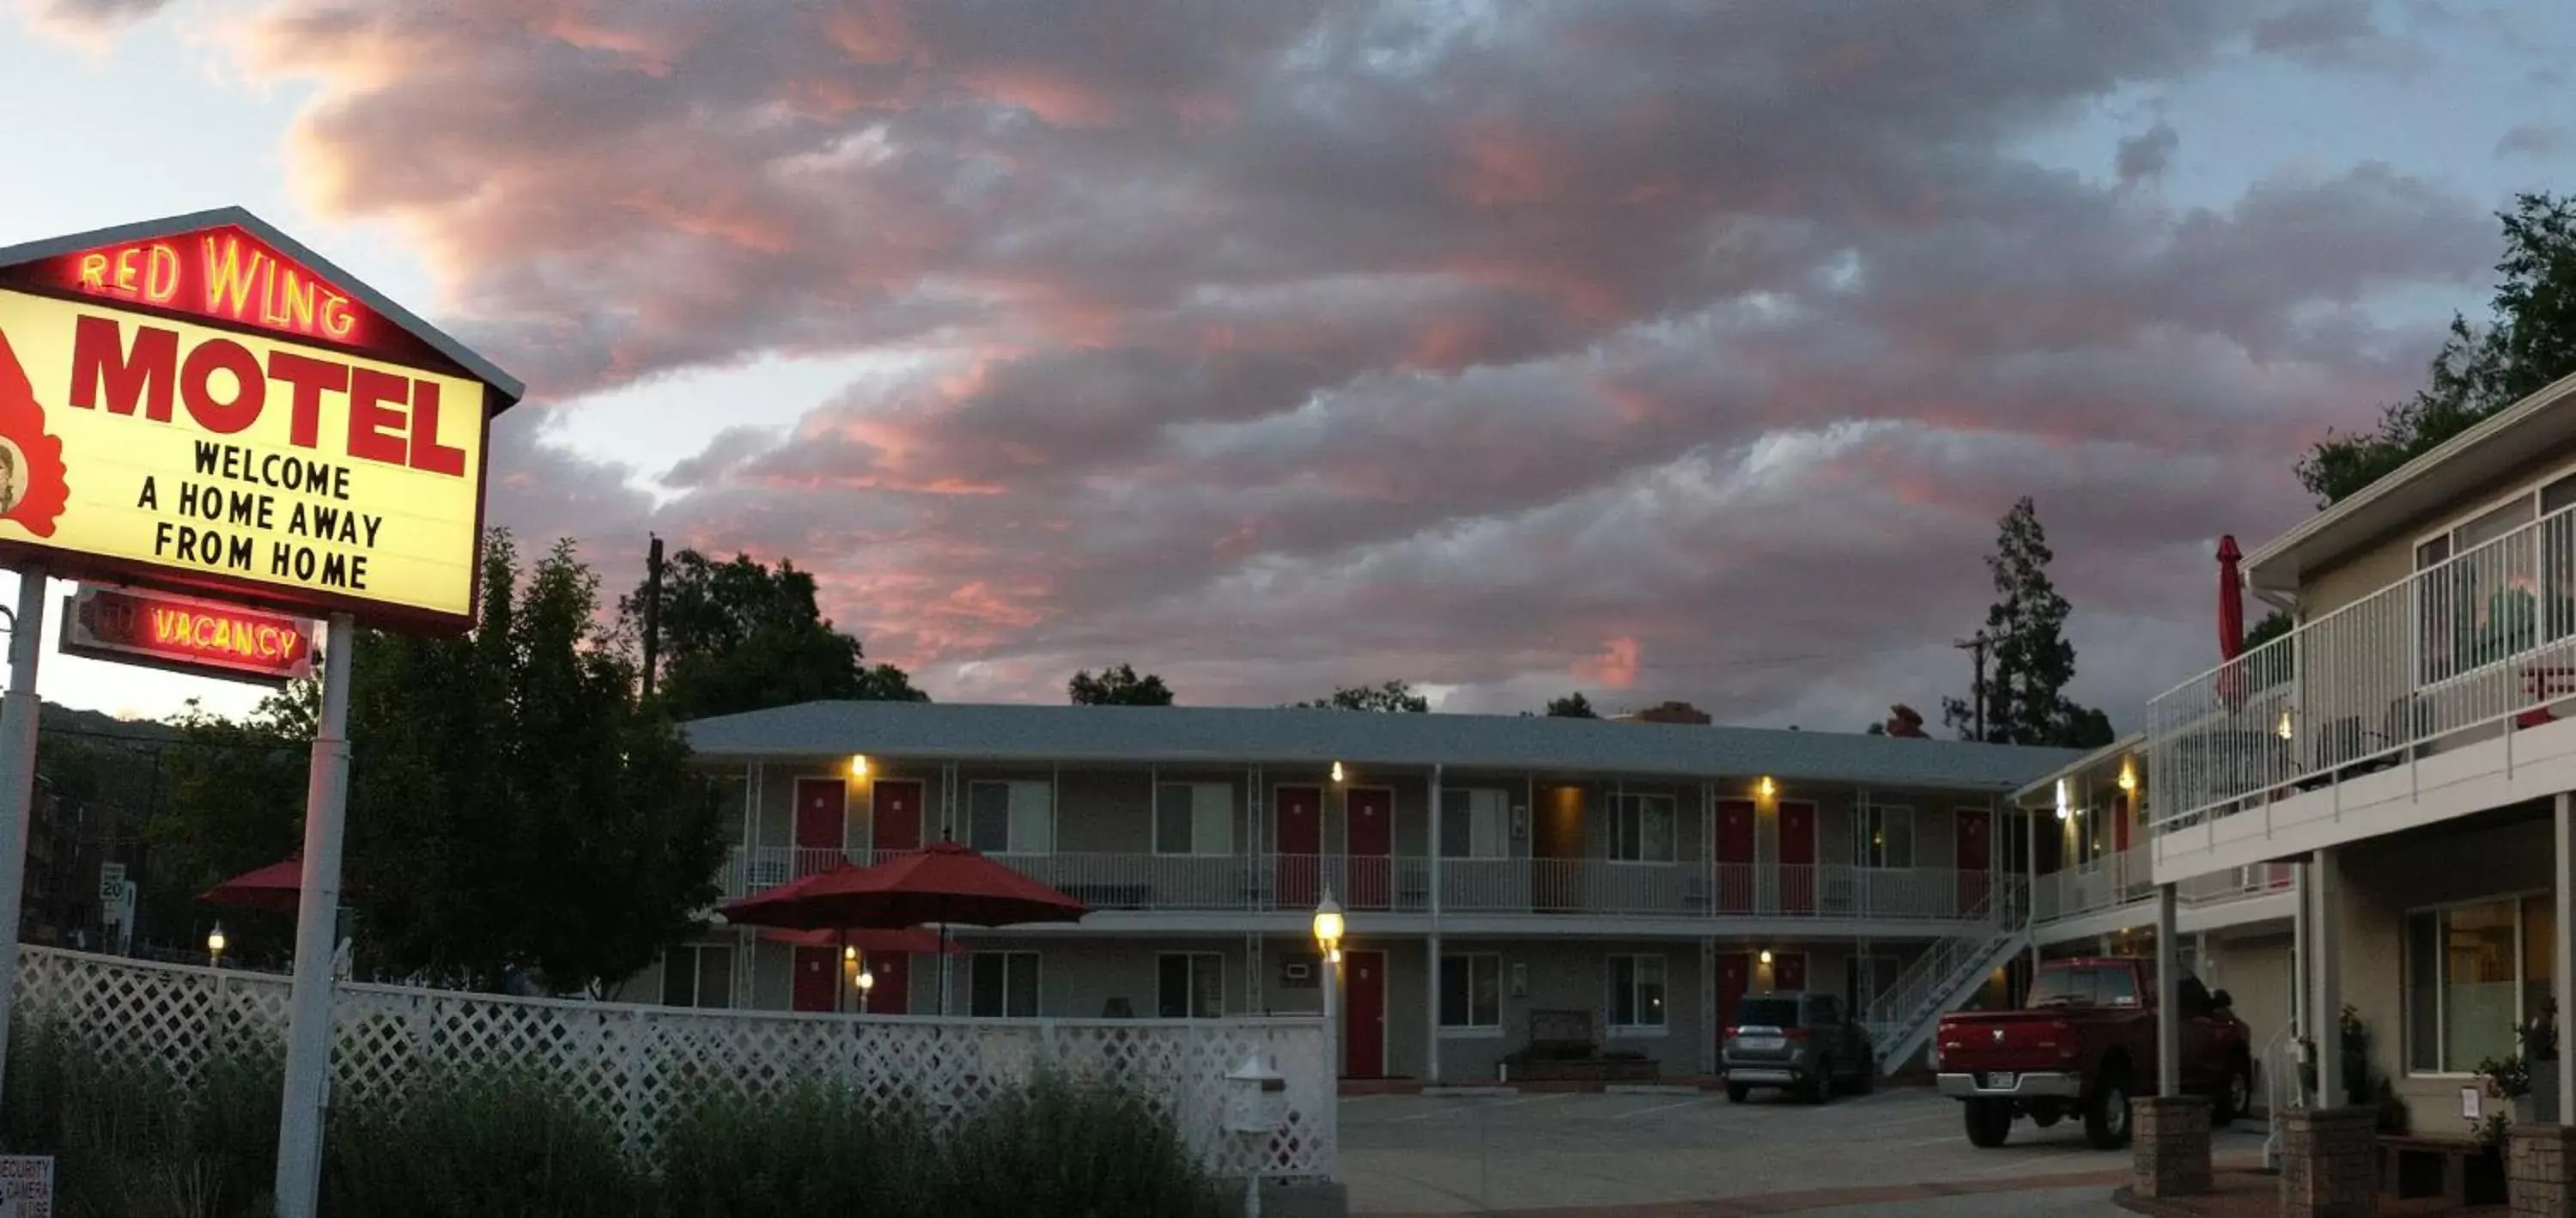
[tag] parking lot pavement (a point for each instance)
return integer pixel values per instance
(1900, 1150)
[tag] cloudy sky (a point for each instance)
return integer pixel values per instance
(1660, 350)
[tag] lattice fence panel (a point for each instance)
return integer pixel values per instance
(639, 1064)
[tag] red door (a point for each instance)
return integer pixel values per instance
(893, 992)
(1735, 856)
(2119, 822)
(1788, 971)
(822, 809)
(1973, 859)
(1734, 979)
(1797, 858)
(1370, 826)
(1298, 840)
(818, 977)
(897, 813)
(1364, 1014)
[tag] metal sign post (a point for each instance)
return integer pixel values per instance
(317, 910)
(18, 711)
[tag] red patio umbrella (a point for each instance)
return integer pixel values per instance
(912, 940)
(943, 883)
(2231, 624)
(277, 886)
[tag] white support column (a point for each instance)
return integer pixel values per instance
(19, 711)
(1431, 953)
(2301, 892)
(1331, 970)
(308, 1026)
(1708, 1062)
(2325, 975)
(2030, 899)
(2563, 948)
(2168, 996)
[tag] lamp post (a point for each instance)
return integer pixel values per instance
(215, 946)
(849, 967)
(867, 982)
(1328, 946)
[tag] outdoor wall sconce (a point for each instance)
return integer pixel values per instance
(850, 955)
(2128, 779)
(1767, 787)
(1328, 928)
(2284, 729)
(1337, 771)
(858, 765)
(1766, 957)
(2063, 803)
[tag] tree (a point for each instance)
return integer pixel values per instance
(2274, 625)
(512, 808)
(2023, 695)
(1394, 696)
(2528, 342)
(1118, 686)
(743, 636)
(1571, 706)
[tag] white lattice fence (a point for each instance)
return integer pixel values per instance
(639, 1064)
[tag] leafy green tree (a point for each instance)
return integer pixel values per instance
(2528, 342)
(2274, 625)
(2023, 696)
(1571, 706)
(743, 636)
(1394, 696)
(1118, 686)
(512, 808)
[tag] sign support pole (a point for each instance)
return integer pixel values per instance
(308, 1028)
(18, 711)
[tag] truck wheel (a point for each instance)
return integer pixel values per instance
(1989, 1122)
(2235, 1097)
(2106, 1113)
(1820, 1085)
(1735, 1092)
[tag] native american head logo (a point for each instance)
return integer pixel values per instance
(32, 491)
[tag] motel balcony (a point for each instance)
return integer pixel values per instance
(1283, 883)
(2442, 694)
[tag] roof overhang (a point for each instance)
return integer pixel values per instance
(2136, 743)
(2464, 464)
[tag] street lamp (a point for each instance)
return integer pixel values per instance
(867, 982)
(849, 965)
(1328, 945)
(215, 946)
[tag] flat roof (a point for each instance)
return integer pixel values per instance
(2133, 743)
(1299, 735)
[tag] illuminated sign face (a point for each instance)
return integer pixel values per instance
(223, 274)
(146, 449)
(193, 636)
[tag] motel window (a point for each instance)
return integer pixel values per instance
(698, 975)
(1193, 818)
(1010, 817)
(1886, 837)
(1636, 992)
(1641, 828)
(1002, 985)
(1471, 991)
(2493, 601)
(1474, 824)
(2474, 973)
(1192, 985)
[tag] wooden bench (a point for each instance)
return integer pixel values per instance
(2411, 1166)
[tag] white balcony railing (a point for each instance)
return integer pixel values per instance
(1402, 884)
(2485, 639)
(2236, 883)
(2103, 883)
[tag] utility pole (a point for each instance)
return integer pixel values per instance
(652, 609)
(1976, 646)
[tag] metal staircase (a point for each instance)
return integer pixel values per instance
(1901, 1019)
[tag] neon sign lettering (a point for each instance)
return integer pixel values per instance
(222, 275)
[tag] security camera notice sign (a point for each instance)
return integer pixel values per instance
(26, 1186)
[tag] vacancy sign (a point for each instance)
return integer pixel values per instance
(206, 638)
(201, 408)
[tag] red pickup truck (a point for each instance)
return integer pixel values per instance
(2084, 1042)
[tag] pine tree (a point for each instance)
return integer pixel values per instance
(2030, 662)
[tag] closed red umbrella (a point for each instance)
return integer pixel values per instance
(2231, 625)
(277, 886)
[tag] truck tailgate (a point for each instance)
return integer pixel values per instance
(2005, 1040)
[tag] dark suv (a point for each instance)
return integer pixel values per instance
(1799, 1042)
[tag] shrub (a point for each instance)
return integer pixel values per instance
(816, 1150)
(133, 1140)
(475, 1144)
(1080, 1151)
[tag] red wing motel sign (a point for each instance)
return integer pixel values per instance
(202, 406)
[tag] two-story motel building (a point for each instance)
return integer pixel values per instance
(2409, 748)
(1647, 875)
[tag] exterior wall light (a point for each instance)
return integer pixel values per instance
(858, 765)
(1767, 787)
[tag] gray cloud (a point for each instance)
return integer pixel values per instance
(2535, 140)
(1682, 350)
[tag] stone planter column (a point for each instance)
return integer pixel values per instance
(2536, 1162)
(2170, 1149)
(2329, 1163)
